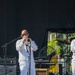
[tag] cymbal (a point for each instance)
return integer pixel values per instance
(63, 41)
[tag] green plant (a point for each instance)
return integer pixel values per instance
(58, 50)
(50, 46)
(53, 45)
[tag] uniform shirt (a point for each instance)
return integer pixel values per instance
(24, 50)
(73, 48)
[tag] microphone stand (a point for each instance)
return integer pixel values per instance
(4, 46)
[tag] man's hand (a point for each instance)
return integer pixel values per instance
(24, 38)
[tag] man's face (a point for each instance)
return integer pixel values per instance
(25, 36)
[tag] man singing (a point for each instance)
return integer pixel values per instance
(23, 46)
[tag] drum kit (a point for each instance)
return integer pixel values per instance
(65, 63)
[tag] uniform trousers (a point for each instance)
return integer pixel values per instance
(24, 68)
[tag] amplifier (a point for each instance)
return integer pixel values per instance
(9, 70)
(40, 71)
(8, 61)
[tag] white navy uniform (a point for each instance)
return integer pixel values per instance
(73, 56)
(23, 51)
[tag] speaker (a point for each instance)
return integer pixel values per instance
(40, 71)
(9, 70)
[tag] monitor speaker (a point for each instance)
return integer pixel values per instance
(9, 70)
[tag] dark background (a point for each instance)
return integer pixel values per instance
(38, 17)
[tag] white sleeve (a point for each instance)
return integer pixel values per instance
(34, 47)
(19, 45)
(73, 46)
